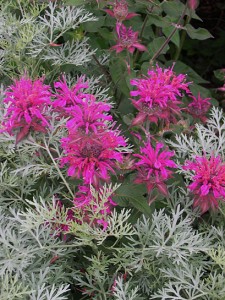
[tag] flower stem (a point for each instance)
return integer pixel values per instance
(182, 39)
(57, 168)
(169, 37)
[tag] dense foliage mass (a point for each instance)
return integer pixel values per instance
(112, 154)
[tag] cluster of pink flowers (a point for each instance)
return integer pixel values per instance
(199, 107)
(159, 96)
(127, 39)
(153, 167)
(27, 102)
(208, 184)
(91, 148)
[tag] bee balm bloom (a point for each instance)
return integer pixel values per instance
(199, 107)
(158, 95)
(208, 184)
(94, 156)
(27, 103)
(127, 39)
(120, 11)
(153, 167)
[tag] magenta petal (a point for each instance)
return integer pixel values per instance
(131, 15)
(204, 190)
(140, 47)
(140, 118)
(134, 93)
(110, 12)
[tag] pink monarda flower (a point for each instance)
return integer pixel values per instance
(89, 116)
(120, 11)
(158, 95)
(208, 184)
(127, 39)
(85, 201)
(199, 107)
(27, 103)
(66, 97)
(153, 167)
(92, 157)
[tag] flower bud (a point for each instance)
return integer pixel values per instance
(193, 4)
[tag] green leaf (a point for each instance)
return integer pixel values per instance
(158, 21)
(132, 195)
(198, 33)
(180, 67)
(106, 34)
(173, 8)
(75, 2)
(119, 73)
(220, 74)
(176, 36)
(156, 44)
(94, 27)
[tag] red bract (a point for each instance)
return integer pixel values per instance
(120, 11)
(153, 167)
(208, 183)
(199, 107)
(27, 102)
(158, 95)
(127, 39)
(92, 157)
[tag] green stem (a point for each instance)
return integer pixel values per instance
(107, 74)
(169, 37)
(57, 168)
(140, 36)
(182, 39)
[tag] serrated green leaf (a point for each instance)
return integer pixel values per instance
(132, 195)
(198, 33)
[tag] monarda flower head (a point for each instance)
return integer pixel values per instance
(208, 181)
(27, 104)
(153, 167)
(199, 107)
(89, 116)
(120, 11)
(94, 156)
(66, 98)
(158, 95)
(127, 39)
